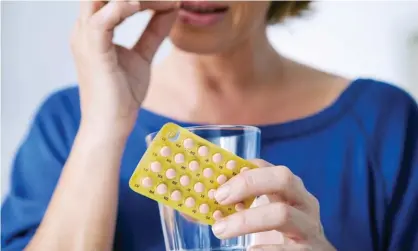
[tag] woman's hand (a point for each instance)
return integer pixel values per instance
(291, 209)
(114, 80)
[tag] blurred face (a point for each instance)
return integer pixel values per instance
(215, 26)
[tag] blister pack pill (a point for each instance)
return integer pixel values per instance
(183, 171)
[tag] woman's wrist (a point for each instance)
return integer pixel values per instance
(107, 139)
(106, 132)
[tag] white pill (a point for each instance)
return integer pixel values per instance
(165, 151)
(194, 165)
(231, 164)
(179, 158)
(217, 158)
(221, 179)
(188, 143)
(208, 172)
(162, 189)
(156, 167)
(170, 173)
(204, 209)
(146, 182)
(199, 187)
(176, 195)
(189, 202)
(239, 207)
(203, 151)
(184, 180)
(217, 215)
(211, 194)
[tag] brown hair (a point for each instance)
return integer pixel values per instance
(280, 10)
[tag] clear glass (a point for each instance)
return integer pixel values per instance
(180, 234)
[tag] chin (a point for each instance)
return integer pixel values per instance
(198, 42)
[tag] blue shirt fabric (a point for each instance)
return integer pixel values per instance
(359, 157)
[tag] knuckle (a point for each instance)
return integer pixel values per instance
(315, 206)
(95, 23)
(315, 202)
(282, 212)
(284, 174)
(299, 180)
(247, 180)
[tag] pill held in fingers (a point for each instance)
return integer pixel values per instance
(217, 215)
(239, 207)
(184, 172)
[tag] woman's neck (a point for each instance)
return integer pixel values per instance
(244, 68)
(244, 85)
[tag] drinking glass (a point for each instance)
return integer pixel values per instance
(182, 234)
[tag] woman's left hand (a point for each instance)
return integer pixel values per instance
(291, 209)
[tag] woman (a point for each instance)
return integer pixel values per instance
(345, 150)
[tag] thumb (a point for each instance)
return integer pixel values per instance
(285, 247)
(156, 31)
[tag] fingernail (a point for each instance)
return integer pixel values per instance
(219, 228)
(222, 193)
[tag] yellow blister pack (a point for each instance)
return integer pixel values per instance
(183, 171)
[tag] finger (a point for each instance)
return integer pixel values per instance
(278, 216)
(113, 13)
(89, 7)
(291, 247)
(267, 180)
(156, 31)
(158, 5)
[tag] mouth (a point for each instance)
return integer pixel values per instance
(200, 7)
(202, 13)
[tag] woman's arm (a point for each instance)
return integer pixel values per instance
(81, 214)
(113, 81)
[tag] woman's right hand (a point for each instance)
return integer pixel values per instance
(113, 80)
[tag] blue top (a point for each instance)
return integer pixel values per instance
(360, 159)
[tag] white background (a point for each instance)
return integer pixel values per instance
(369, 39)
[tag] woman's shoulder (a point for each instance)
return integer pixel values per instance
(384, 91)
(58, 114)
(376, 98)
(61, 102)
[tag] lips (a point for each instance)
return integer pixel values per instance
(202, 7)
(202, 13)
